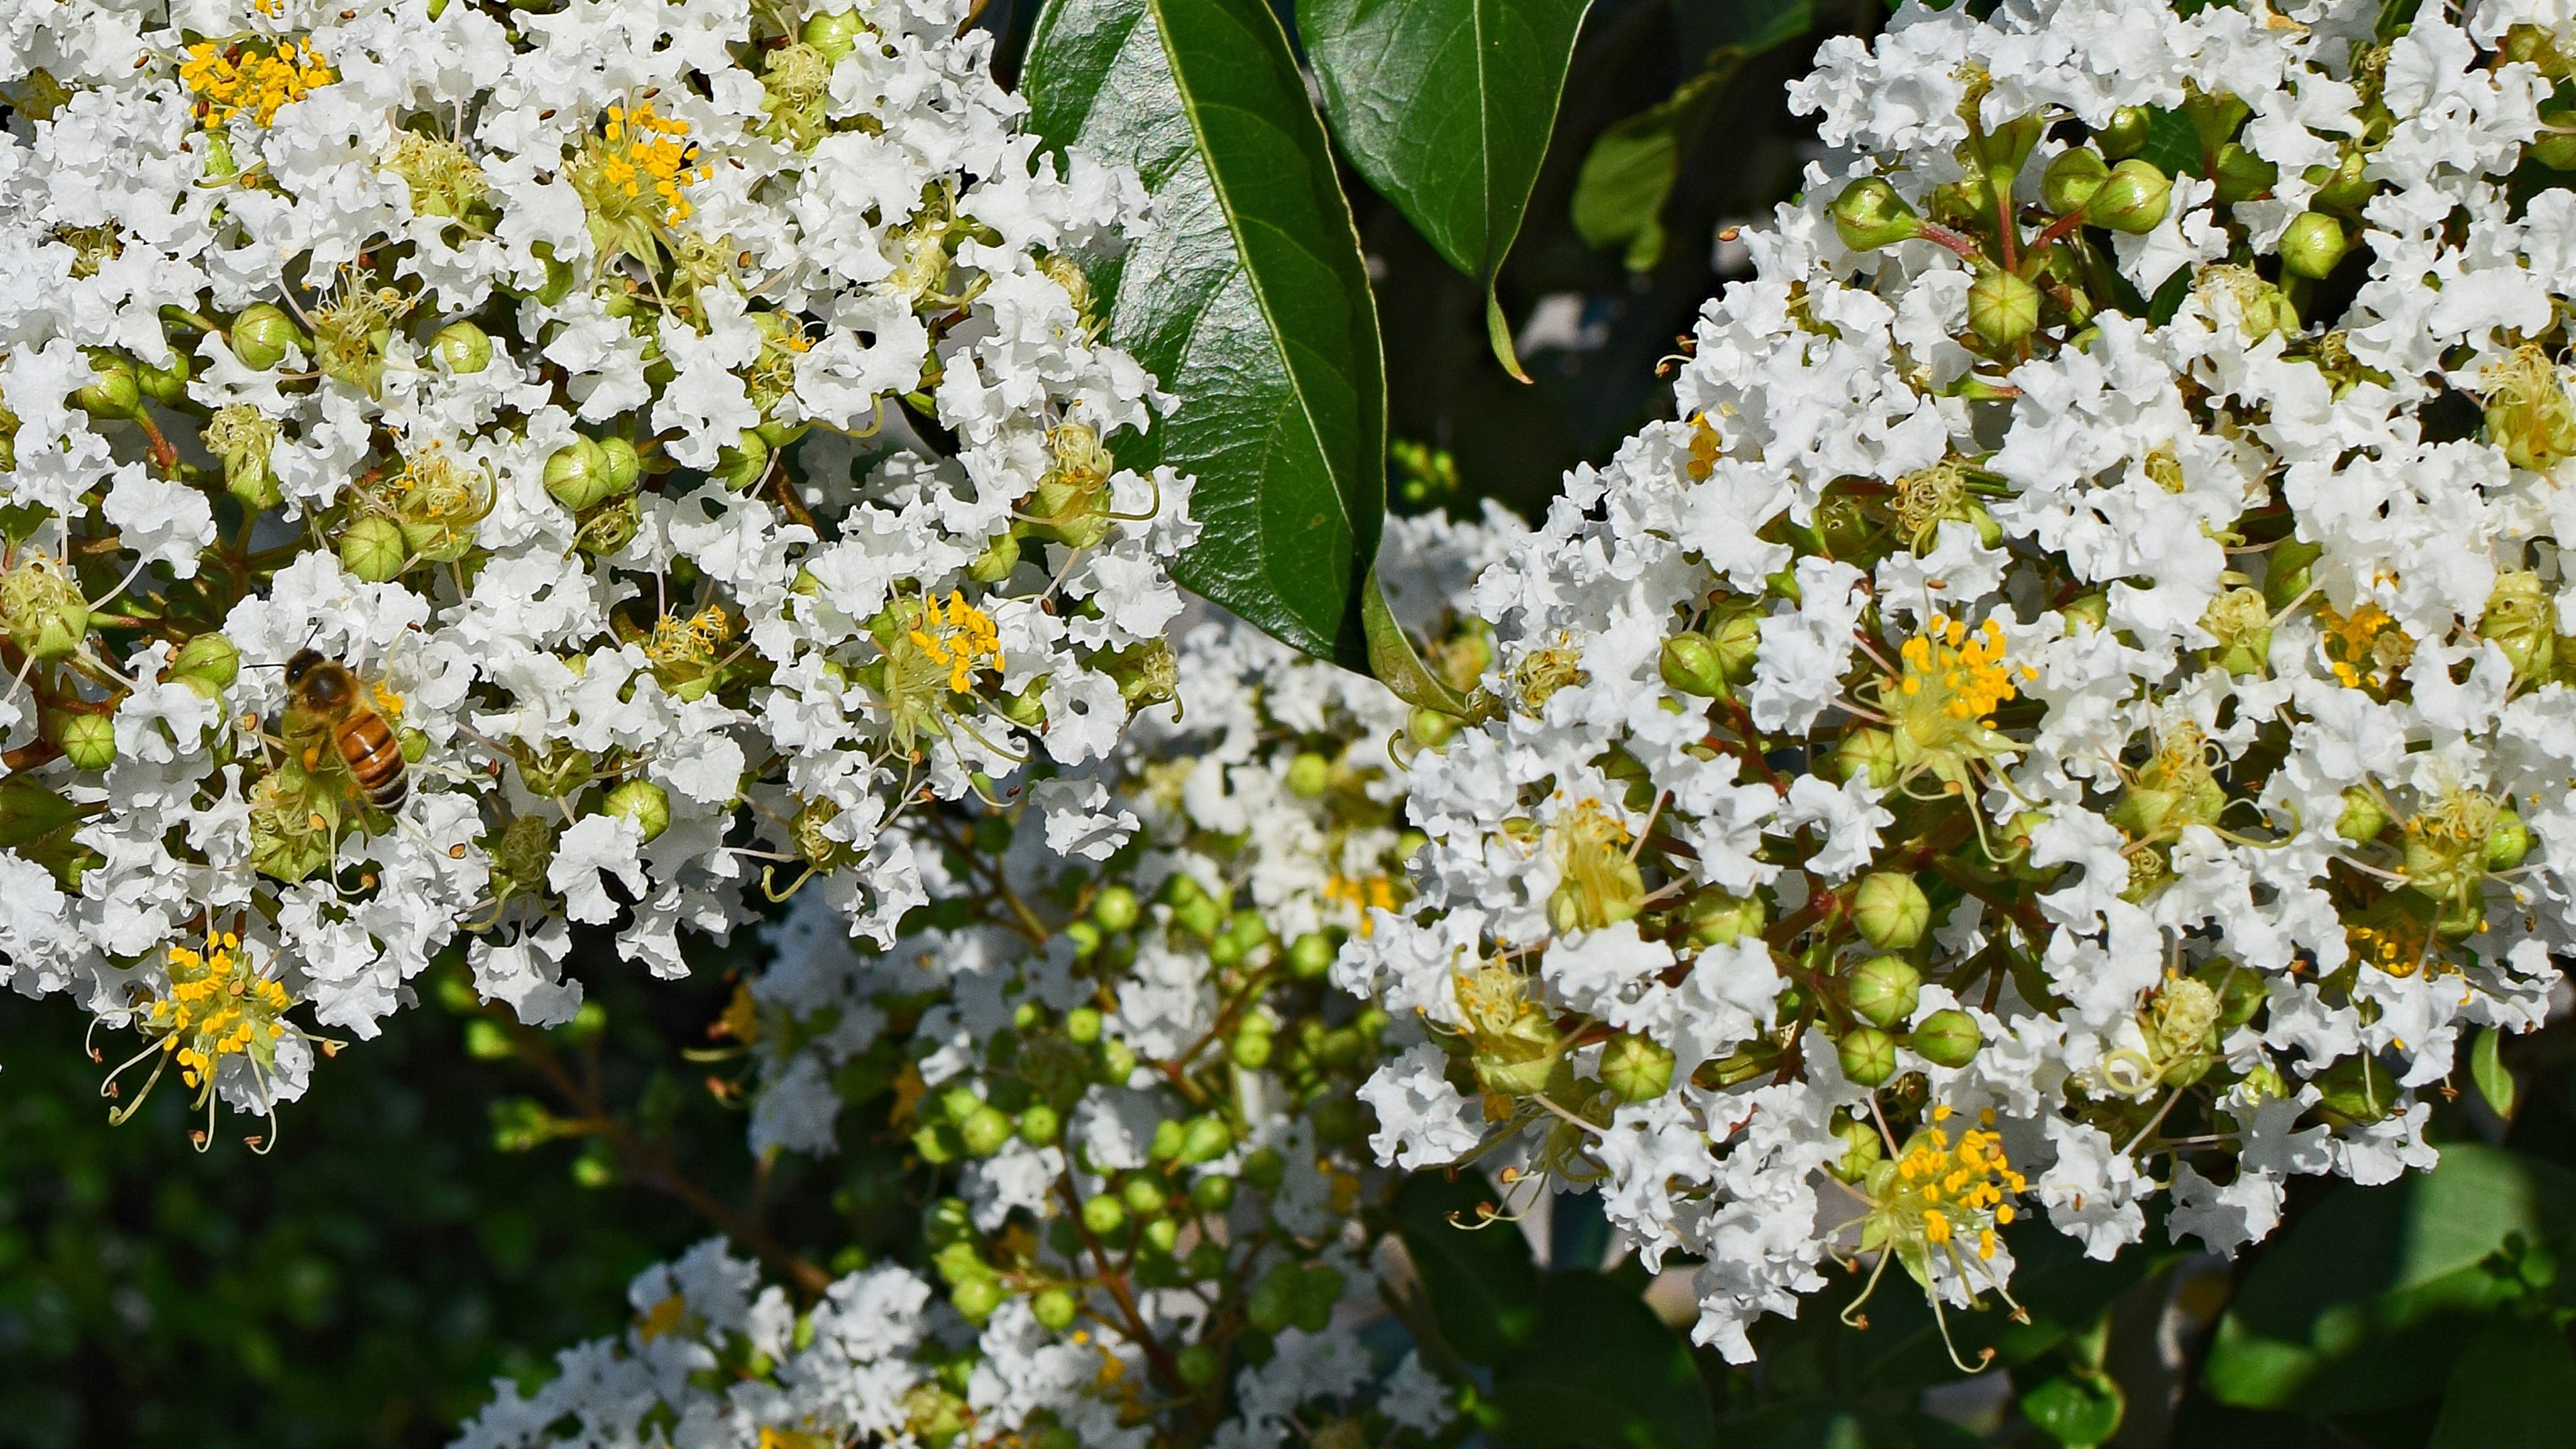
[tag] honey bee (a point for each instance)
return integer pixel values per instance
(329, 699)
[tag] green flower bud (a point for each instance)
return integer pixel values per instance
(373, 549)
(1252, 1050)
(1861, 1149)
(1869, 215)
(2508, 841)
(1691, 666)
(2132, 199)
(743, 464)
(2072, 178)
(624, 466)
(1055, 1309)
(986, 1131)
(2345, 186)
(1085, 936)
(977, 1298)
(835, 33)
(262, 335)
(1867, 754)
(1103, 1214)
(2314, 245)
(166, 384)
(1868, 1055)
(1737, 638)
(1309, 775)
(1890, 910)
(1213, 1193)
(2086, 613)
(935, 1145)
(2003, 307)
(1885, 990)
(113, 390)
(1115, 908)
(1311, 955)
(1162, 1234)
(87, 740)
(997, 560)
(2126, 132)
(41, 607)
(1082, 1025)
(643, 802)
(1949, 1038)
(1635, 1068)
(1205, 1140)
(1429, 728)
(1199, 1365)
(1714, 917)
(1168, 1137)
(465, 348)
(577, 474)
(1040, 1124)
(1265, 1169)
(208, 659)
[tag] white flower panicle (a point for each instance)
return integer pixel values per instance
(1113, 1038)
(2074, 713)
(471, 469)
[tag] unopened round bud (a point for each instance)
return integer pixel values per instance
(113, 391)
(577, 474)
(835, 33)
(1054, 1309)
(87, 740)
(1040, 1124)
(1869, 215)
(2072, 178)
(1115, 909)
(1205, 1140)
(2314, 245)
(1717, 918)
(1140, 1194)
(463, 347)
(2508, 841)
(1199, 1365)
(207, 658)
(1213, 1193)
(166, 384)
(373, 549)
(1868, 1055)
(1949, 1038)
(261, 336)
(1311, 955)
(2003, 307)
(985, 1131)
(1890, 910)
(2363, 818)
(1309, 775)
(1737, 638)
(1103, 1214)
(997, 560)
(1691, 666)
(1861, 1149)
(2126, 132)
(1082, 1025)
(1885, 990)
(1429, 728)
(2132, 199)
(624, 466)
(1636, 1069)
(643, 802)
(977, 1298)
(1868, 754)
(1252, 1050)
(743, 464)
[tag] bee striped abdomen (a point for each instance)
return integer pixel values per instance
(375, 759)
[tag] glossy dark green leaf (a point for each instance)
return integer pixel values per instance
(2075, 1407)
(1602, 1372)
(1249, 301)
(1628, 174)
(1814, 1425)
(2365, 1301)
(2514, 1388)
(29, 811)
(1481, 1283)
(1446, 107)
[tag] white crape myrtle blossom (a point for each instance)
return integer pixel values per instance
(2072, 718)
(683, 423)
(1130, 1072)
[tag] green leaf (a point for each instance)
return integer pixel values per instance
(1397, 664)
(29, 811)
(1628, 175)
(2487, 1069)
(1249, 301)
(1813, 1425)
(2514, 1388)
(1601, 1371)
(1446, 107)
(2364, 1303)
(1481, 1283)
(2075, 1406)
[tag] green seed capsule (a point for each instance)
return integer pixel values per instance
(1082, 1025)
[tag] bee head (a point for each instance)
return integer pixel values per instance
(319, 682)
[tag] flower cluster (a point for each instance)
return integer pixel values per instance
(468, 469)
(2085, 660)
(1115, 1043)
